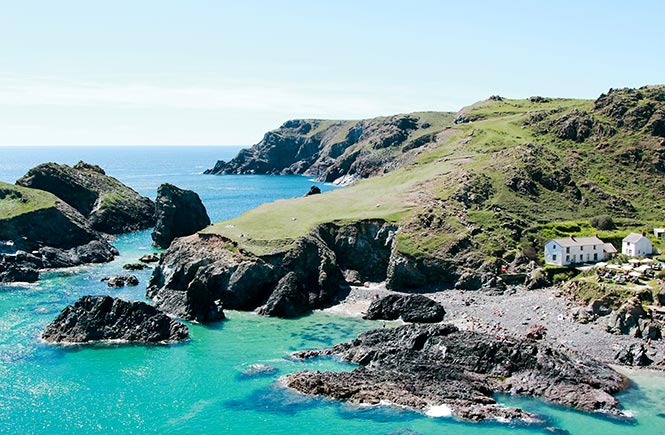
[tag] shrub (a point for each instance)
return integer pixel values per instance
(561, 277)
(603, 222)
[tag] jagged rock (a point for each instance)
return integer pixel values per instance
(135, 266)
(634, 354)
(289, 299)
(117, 281)
(149, 258)
(314, 190)
(15, 269)
(179, 213)
(353, 277)
(107, 204)
(421, 366)
(626, 320)
(410, 308)
(536, 279)
(103, 318)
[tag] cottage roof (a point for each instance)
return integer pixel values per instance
(578, 241)
(633, 238)
(609, 248)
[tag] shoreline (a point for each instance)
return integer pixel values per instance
(512, 313)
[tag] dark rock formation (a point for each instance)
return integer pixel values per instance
(199, 272)
(149, 258)
(634, 354)
(135, 266)
(103, 318)
(631, 319)
(179, 213)
(117, 281)
(314, 190)
(336, 151)
(19, 267)
(423, 366)
(108, 205)
(410, 308)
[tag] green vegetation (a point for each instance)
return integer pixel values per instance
(510, 176)
(110, 200)
(16, 200)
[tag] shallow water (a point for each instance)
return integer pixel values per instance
(205, 385)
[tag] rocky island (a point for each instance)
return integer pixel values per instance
(105, 319)
(441, 368)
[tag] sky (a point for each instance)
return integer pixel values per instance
(201, 72)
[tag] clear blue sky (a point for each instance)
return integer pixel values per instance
(224, 72)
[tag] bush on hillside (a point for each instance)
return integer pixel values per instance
(603, 222)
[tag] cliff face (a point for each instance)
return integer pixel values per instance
(338, 151)
(55, 233)
(110, 206)
(201, 272)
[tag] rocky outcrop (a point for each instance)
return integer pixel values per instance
(536, 279)
(107, 204)
(179, 213)
(314, 190)
(409, 308)
(103, 318)
(19, 267)
(52, 232)
(337, 151)
(200, 272)
(631, 319)
(438, 366)
(633, 354)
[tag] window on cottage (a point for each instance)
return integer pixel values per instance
(594, 247)
(595, 257)
(567, 257)
(581, 248)
(554, 257)
(567, 250)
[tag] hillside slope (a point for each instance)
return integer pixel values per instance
(481, 196)
(339, 151)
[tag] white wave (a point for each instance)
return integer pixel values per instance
(437, 411)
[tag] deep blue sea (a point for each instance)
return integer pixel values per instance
(199, 387)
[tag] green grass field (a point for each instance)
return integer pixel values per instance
(16, 200)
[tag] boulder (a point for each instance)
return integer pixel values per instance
(103, 318)
(536, 332)
(135, 266)
(536, 279)
(108, 205)
(16, 270)
(626, 320)
(149, 258)
(314, 190)
(117, 281)
(288, 300)
(179, 213)
(634, 354)
(425, 366)
(410, 308)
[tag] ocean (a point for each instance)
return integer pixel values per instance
(203, 386)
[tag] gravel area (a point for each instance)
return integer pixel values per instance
(512, 313)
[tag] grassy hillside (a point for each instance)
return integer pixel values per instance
(17, 200)
(496, 179)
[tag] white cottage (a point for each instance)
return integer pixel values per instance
(636, 245)
(572, 250)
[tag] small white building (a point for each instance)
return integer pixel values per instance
(659, 232)
(572, 250)
(636, 245)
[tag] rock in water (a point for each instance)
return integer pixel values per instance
(149, 258)
(103, 318)
(117, 281)
(410, 308)
(107, 204)
(179, 213)
(429, 366)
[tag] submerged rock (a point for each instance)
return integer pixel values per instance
(410, 308)
(149, 258)
(179, 213)
(135, 266)
(117, 281)
(426, 366)
(103, 318)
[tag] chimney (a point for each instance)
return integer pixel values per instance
(644, 233)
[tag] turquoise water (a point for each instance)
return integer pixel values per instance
(198, 387)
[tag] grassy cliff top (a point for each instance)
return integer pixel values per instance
(498, 174)
(17, 200)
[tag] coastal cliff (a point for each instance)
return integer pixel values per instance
(479, 200)
(339, 152)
